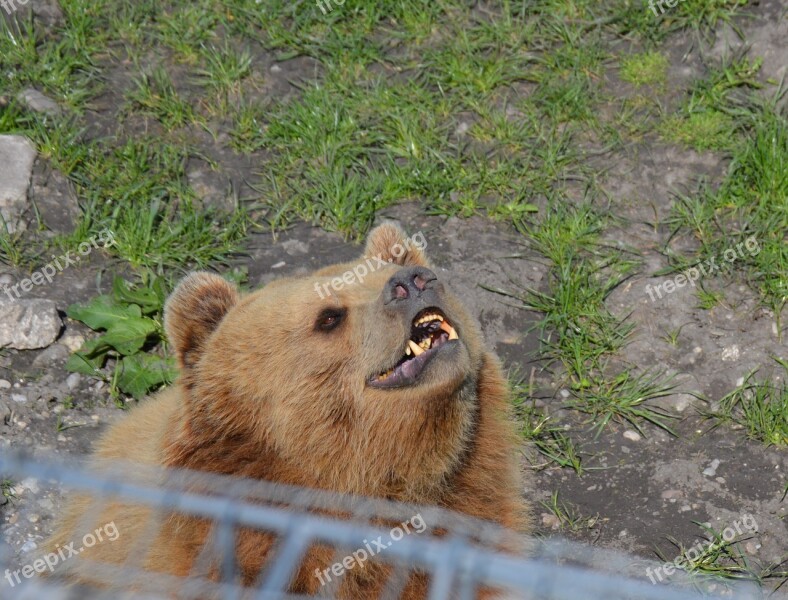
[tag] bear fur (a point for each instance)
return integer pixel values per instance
(274, 385)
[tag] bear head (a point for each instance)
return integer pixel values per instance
(361, 377)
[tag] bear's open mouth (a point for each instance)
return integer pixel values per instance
(428, 332)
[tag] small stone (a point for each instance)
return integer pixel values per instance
(38, 102)
(682, 402)
(30, 483)
(625, 450)
(730, 353)
(73, 341)
(623, 533)
(720, 480)
(5, 384)
(295, 247)
(550, 521)
(5, 413)
(56, 353)
(21, 398)
(33, 518)
(46, 504)
(279, 265)
(564, 393)
(751, 548)
(276, 69)
(711, 470)
(632, 435)
(28, 546)
(672, 494)
(462, 129)
(73, 380)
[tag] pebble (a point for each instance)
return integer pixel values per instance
(711, 470)
(28, 546)
(671, 494)
(73, 342)
(276, 69)
(38, 102)
(30, 483)
(21, 398)
(632, 435)
(683, 401)
(550, 521)
(730, 353)
(34, 517)
(564, 393)
(73, 380)
(46, 504)
(279, 265)
(5, 384)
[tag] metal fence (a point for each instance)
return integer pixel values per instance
(464, 557)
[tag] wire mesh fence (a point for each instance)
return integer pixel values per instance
(415, 551)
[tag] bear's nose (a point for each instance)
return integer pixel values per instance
(407, 283)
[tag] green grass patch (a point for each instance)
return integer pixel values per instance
(742, 224)
(718, 559)
(578, 331)
(648, 68)
(760, 406)
(550, 439)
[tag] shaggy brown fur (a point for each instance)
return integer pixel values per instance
(265, 393)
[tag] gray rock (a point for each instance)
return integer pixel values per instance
(56, 353)
(72, 381)
(28, 324)
(54, 197)
(38, 102)
(5, 413)
(17, 156)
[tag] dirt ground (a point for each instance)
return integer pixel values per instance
(634, 491)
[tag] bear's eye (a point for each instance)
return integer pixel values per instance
(329, 319)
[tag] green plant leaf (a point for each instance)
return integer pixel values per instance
(143, 372)
(128, 336)
(149, 299)
(103, 313)
(90, 358)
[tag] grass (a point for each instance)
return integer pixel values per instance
(647, 68)
(719, 559)
(550, 439)
(578, 330)
(760, 407)
(747, 215)
(569, 517)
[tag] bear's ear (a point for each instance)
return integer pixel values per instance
(389, 242)
(193, 311)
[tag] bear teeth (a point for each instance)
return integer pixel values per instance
(428, 318)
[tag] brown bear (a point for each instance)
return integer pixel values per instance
(377, 385)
